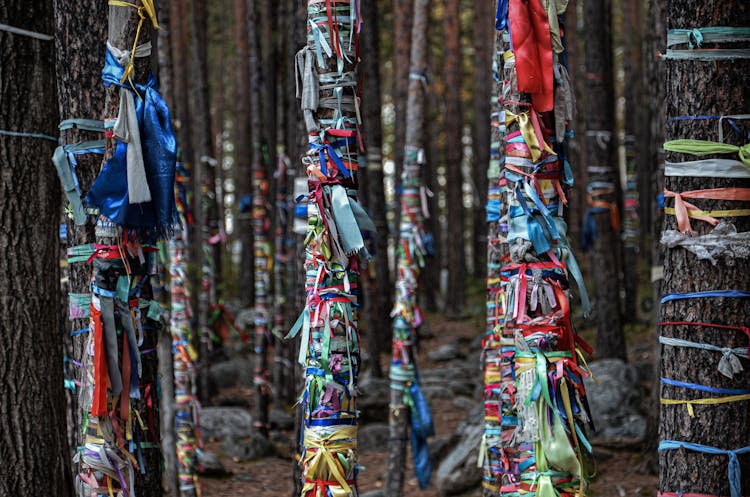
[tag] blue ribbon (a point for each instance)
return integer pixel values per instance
(704, 388)
(735, 471)
(110, 190)
(730, 294)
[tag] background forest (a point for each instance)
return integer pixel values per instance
(220, 385)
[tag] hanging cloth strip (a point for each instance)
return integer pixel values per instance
(734, 470)
(729, 365)
(685, 210)
(733, 294)
(703, 147)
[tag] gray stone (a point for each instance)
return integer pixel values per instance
(211, 464)
(438, 446)
(219, 423)
(280, 419)
(374, 493)
(615, 401)
(458, 472)
(374, 397)
(282, 444)
(445, 353)
(244, 449)
(373, 437)
(233, 372)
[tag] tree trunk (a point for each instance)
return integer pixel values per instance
(456, 247)
(403, 13)
(633, 69)
(170, 483)
(603, 180)
(35, 456)
(408, 316)
(243, 174)
(80, 94)
(330, 341)
(725, 427)
(482, 96)
(260, 221)
(204, 185)
(379, 284)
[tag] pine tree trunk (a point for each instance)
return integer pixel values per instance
(242, 153)
(603, 176)
(165, 357)
(80, 94)
(482, 96)
(379, 283)
(260, 221)
(204, 185)
(633, 69)
(32, 409)
(456, 246)
(695, 88)
(404, 323)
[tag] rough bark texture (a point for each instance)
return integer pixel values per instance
(32, 409)
(456, 246)
(378, 282)
(203, 183)
(483, 44)
(599, 111)
(724, 426)
(399, 413)
(80, 95)
(242, 151)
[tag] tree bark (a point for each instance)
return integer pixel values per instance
(411, 222)
(454, 181)
(242, 140)
(603, 177)
(80, 95)
(725, 426)
(379, 286)
(204, 185)
(35, 455)
(260, 221)
(482, 96)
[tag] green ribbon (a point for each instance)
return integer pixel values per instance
(703, 147)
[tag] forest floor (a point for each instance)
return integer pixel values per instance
(620, 471)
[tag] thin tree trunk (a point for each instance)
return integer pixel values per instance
(204, 185)
(260, 221)
(29, 276)
(242, 153)
(407, 318)
(379, 287)
(482, 96)
(454, 181)
(170, 483)
(603, 180)
(725, 427)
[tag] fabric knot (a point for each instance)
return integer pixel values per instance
(695, 38)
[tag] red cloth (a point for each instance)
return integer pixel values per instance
(99, 402)
(532, 46)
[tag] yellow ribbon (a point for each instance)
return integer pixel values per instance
(529, 134)
(699, 213)
(320, 462)
(704, 402)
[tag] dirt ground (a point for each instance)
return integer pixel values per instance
(618, 470)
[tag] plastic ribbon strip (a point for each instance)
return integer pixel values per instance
(729, 365)
(707, 168)
(329, 347)
(685, 210)
(703, 147)
(26, 32)
(728, 294)
(535, 400)
(695, 37)
(734, 470)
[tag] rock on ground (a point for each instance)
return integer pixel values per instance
(458, 472)
(615, 401)
(220, 423)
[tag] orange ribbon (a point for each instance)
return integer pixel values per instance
(683, 208)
